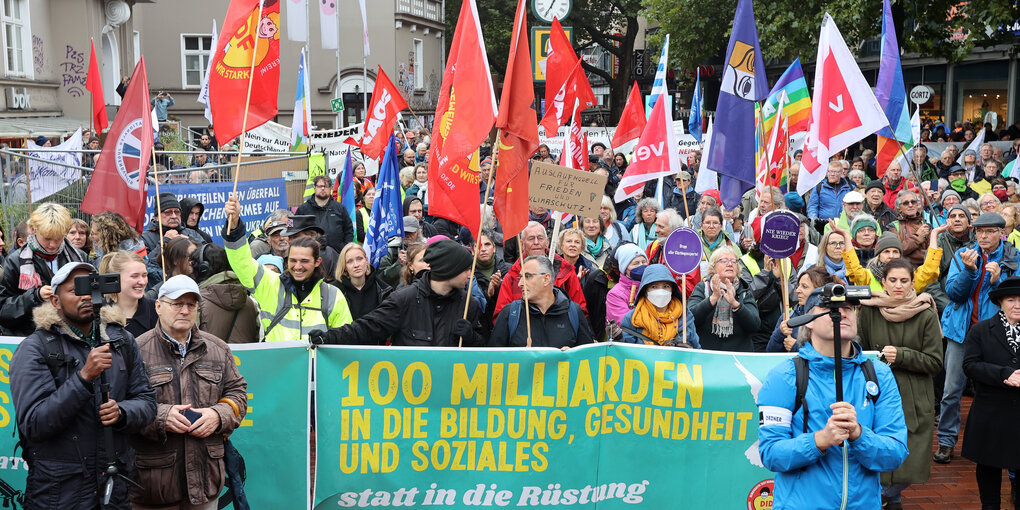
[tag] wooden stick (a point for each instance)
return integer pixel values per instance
(683, 301)
(764, 141)
(524, 289)
(232, 221)
(910, 163)
(786, 289)
(478, 238)
(159, 220)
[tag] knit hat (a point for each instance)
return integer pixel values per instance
(626, 254)
(886, 241)
(168, 201)
(274, 260)
(876, 184)
(794, 201)
(863, 220)
(41, 140)
(447, 259)
(949, 192)
(960, 207)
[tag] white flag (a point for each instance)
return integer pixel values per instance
(297, 20)
(328, 24)
(203, 95)
(46, 179)
(707, 178)
(364, 24)
(975, 145)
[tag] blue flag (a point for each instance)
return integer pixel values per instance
(743, 83)
(347, 186)
(387, 218)
(694, 123)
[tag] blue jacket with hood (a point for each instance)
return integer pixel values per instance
(807, 477)
(962, 284)
(659, 273)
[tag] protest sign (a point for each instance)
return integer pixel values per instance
(258, 200)
(780, 232)
(46, 179)
(563, 189)
(682, 250)
(269, 137)
(606, 425)
(13, 469)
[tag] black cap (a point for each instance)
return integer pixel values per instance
(168, 201)
(298, 224)
(447, 259)
(874, 184)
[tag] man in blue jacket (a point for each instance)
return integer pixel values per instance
(827, 199)
(862, 436)
(975, 271)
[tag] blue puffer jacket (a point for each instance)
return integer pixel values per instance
(659, 273)
(827, 199)
(807, 477)
(962, 283)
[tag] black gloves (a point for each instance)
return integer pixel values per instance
(462, 328)
(317, 337)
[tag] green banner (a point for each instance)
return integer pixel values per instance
(273, 437)
(13, 470)
(601, 426)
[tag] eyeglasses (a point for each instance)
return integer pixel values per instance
(179, 306)
(989, 202)
(728, 262)
(529, 275)
(321, 186)
(909, 202)
(837, 244)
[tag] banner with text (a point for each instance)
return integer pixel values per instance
(13, 470)
(601, 426)
(258, 199)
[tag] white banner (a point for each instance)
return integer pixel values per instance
(46, 179)
(269, 137)
(687, 143)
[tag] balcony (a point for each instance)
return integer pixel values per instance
(424, 12)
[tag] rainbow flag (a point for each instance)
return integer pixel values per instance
(798, 107)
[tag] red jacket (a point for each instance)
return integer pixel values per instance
(566, 280)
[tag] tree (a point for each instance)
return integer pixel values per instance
(789, 28)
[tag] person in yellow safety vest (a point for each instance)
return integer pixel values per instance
(888, 248)
(764, 276)
(293, 303)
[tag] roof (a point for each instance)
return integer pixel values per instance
(31, 127)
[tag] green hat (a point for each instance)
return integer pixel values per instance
(861, 221)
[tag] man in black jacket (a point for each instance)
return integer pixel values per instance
(61, 414)
(169, 214)
(329, 214)
(556, 321)
(427, 313)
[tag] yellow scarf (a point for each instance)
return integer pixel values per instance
(659, 326)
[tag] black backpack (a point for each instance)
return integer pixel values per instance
(801, 366)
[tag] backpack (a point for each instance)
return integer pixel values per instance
(515, 316)
(801, 366)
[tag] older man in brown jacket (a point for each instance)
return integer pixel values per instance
(201, 398)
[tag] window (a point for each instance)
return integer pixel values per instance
(419, 76)
(16, 32)
(195, 51)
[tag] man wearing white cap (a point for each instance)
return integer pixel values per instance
(853, 205)
(200, 396)
(60, 409)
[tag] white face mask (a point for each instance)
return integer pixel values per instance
(660, 297)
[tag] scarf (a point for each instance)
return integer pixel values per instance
(1012, 332)
(486, 268)
(877, 269)
(838, 269)
(543, 219)
(901, 309)
(795, 258)
(29, 278)
(722, 320)
(714, 244)
(594, 248)
(659, 326)
(958, 185)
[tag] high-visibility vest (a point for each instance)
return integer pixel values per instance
(753, 267)
(324, 307)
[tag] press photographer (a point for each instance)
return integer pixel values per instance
(812, 431)
(73, 423)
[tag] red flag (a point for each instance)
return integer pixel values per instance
(557, 113)
(775, 159)
(655, 154)
(519, 136)
(465, 111)
(118, 183)
(888, 149)
(386, 104)
(251, 33)
(560, 60)
(577, 147)
(95, 86)
(632, 120)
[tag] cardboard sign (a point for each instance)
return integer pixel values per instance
(780, 231)
(563, 189)
(682, 250)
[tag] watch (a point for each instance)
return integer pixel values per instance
(546, 10)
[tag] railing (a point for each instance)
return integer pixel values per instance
(425, 9)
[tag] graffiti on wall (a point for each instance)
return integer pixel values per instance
(74, 72)
(38, 54)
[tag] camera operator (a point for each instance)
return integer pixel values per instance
(809, 444)
(56, 379)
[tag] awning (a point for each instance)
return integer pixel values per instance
(31, 127)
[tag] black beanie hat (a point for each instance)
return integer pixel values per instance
(447, 259)
(874, 184)
(168, 201)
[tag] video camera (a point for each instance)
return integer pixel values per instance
(835, 295)
(97, 285)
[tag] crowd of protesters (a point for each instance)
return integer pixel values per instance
(936, 243)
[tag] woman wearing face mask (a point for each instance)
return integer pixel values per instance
(724, 309)
(357, 281)
(658, 312)
(643, 232)
(620, 299)
(888, 248)
(784, 338)
(139, 310)
(904, 327)
(865, 232)
(594, 281)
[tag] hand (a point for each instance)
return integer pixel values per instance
(933, 240)
(717, 290)
(402, 257)
(45, 292)
(494, 283)
(1013, 380)
(175, 421)
(924, 230)
(232, 209)
(789, 342)
(969, 259)
(171, 233)
(207, 424)
(581, 273)
(785, 329)
(109, 412)
(317, 337)
(889, 353)
(841, 231)
(613, 330)
(844, 415)
(731, 294)
(98, 361)
(745, 243)
(462, 328)
(994, 269)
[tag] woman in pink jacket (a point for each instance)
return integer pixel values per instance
(620, 298)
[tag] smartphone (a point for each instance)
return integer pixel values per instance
(191, 415)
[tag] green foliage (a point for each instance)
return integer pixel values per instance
(172, 141)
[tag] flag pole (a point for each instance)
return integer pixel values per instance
(524, 289)
(910, 164)
(155, 175)
(232, 221)
(481, 225)
(766, 151)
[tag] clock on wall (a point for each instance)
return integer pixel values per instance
(546, 10)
